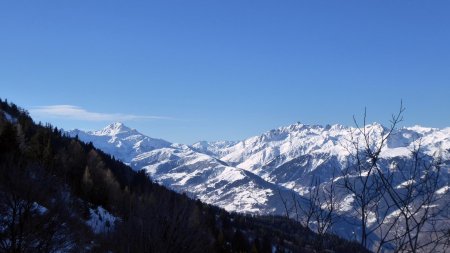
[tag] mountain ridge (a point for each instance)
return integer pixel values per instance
(275, 156)
(275, 172)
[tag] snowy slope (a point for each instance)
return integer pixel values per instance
(213, 148)
(211, 180)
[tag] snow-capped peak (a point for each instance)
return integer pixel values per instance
(121, 141)
(113, 129)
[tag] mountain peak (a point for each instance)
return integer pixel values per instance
(113, 129)
(117, 125)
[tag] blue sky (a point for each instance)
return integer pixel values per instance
(207, 70)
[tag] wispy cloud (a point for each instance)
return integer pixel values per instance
(79, 113)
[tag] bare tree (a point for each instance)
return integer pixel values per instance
(398, 204)
(360, 176)
(321, 204)
(316, 210)
(419, 204)
(400, 207)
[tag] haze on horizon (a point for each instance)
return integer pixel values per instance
(189, 71)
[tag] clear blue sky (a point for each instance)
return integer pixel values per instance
(207, 70)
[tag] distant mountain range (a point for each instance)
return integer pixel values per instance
(189, 169)
(245, 176)
(254, 175)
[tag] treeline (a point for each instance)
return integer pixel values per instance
(50, 183)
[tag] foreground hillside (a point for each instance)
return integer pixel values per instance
(58, 194)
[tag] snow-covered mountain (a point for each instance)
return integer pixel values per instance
(120, 141)
(255, 175)
(290, 156)
(286, 158)
(185, 169)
